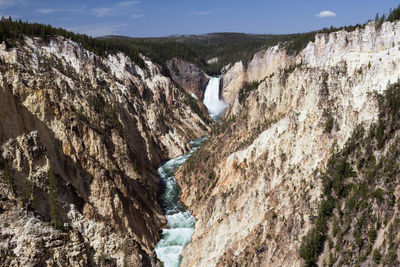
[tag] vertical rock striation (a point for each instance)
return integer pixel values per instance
(188, 76)
(253, 186)
(82, 137)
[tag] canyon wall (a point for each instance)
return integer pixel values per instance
(188, 76)
(263, 64)
(255, 187)
(81, 139)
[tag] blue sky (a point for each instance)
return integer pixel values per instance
(141, 18)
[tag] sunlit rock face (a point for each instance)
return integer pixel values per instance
(263, 64)
(232, 81)
(252, 187)
(81, 138)
(325, 51)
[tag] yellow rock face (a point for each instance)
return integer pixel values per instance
(252, 186)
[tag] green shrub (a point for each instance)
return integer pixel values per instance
(376, 256)
(372, 235)
(379, 194)
(6, 177)
(53, 201)
(329, 123)
(311, 247)
(246, 89)
(332, 260)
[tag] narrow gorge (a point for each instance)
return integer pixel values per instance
(180, 222)
(82, 137)
(220, 149)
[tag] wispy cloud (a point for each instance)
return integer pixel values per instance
(8, 3)
(128, 3)
(101, 29)
(326, 14)
(137, 16)
(124, 7)
(202, 13)
(102, 11)
(56, 10)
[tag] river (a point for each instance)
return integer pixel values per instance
(180, 224)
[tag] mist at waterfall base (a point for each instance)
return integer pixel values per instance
(180, 224)
(215, 106)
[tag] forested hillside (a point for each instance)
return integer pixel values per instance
(229, 47)
(197, 49)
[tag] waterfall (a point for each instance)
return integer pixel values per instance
(215, 106)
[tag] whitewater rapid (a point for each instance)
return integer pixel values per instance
(180, 225)
(216, 107)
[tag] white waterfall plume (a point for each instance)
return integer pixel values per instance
(211, 98)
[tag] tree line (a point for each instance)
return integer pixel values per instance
(227, 47)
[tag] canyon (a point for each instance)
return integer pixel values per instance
(82, 137)
(299, 168)
(180, 222)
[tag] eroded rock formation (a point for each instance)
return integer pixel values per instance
(82, 137)
(255, 188)
(188, 76)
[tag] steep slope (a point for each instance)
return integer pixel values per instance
(263, 64)
(82, 137)
(254, 186)
(188, 76)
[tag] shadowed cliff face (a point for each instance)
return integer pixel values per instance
(82, 137)
(254, 187)
(188, 76)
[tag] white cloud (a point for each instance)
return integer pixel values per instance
(137, 16)
(201, 13)
(47, 10)
(125, 7)
(101, 29)
(326, 14)
(55, 10)
(8, 3)
(128, 3)
(101, 11)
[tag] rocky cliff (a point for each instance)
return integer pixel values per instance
(81, 138)
(188, 76)
(278, 181)
(263, 64)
